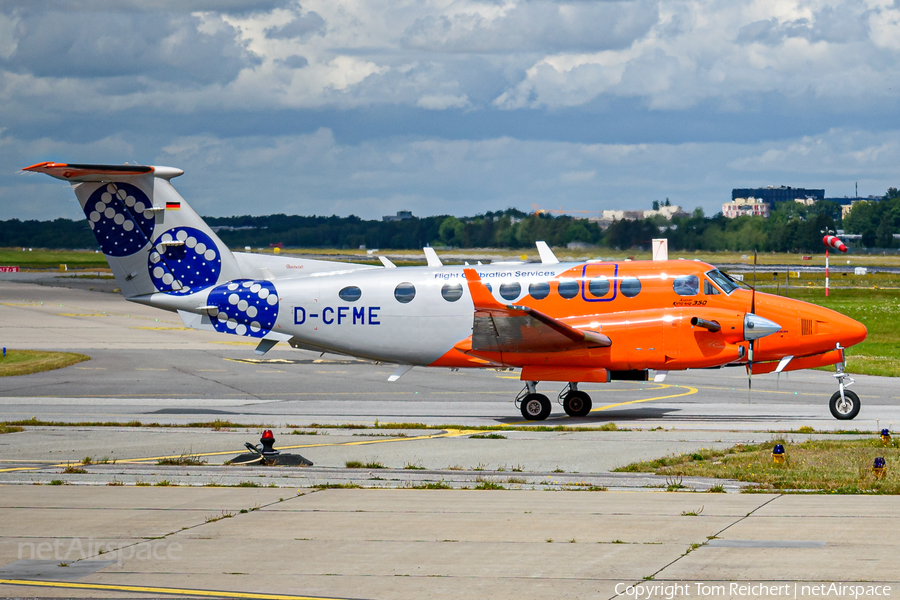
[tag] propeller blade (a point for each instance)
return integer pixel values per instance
(753, 296)
(750, 372)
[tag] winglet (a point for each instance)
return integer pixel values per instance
(547, 256)
(387, 262)
(432, 257)
(481, 297)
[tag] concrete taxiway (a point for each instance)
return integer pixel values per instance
(122, 529)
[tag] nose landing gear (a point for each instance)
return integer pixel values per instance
(576, 403)
(844, 404)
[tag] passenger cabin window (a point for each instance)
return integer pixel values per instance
(539, 290)
(709, 289)
(405, 292)
(568, 288)
(724, 282)
(489, 287)
(452, 291)
(510, 291)
(630, 286)
(686, 285)
(599, 286)
(350, 293)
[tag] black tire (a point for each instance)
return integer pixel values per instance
(849, 410)
(536, 407)
(577, 404)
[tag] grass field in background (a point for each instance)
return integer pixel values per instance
(832, 466)
(38, 258)
(25, 362)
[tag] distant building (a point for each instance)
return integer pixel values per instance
(608, 216)
(847, 202)
(402, 215)
(771, 194)
(746, 207)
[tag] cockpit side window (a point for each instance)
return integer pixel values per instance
(725, 284)
(686, 285)
(709, 289)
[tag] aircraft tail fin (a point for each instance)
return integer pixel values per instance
(151, 237)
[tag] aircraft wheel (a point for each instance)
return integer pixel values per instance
(577, 404)
(536, 407)
(844, 410)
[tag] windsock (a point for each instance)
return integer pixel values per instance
(832, 241)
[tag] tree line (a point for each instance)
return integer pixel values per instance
(791, 227)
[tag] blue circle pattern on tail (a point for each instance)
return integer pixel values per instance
(184, 260)
(119, 216)
(244, 307)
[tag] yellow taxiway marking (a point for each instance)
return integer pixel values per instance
(236, 344)
(690, 391)
(444, 434)
(155, 590)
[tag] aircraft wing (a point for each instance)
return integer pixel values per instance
(512, 328)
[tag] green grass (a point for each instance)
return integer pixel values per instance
(11, 429)
(827, 466)
(182, 460)
(26, 362)
(39, 258)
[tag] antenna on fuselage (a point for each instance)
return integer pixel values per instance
(547, 256)
(432, 257)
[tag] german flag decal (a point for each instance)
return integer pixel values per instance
(173, 205)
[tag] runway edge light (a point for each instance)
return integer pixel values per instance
(885, 436)
(879, 467)
(778, 454)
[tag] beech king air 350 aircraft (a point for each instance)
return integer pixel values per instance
(594, 321)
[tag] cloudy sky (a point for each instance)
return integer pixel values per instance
(450, 106)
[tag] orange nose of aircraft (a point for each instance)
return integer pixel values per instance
(809, 328)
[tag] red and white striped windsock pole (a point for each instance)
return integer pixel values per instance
(831, 241)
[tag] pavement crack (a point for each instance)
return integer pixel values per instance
(210, 380)
(692, 547)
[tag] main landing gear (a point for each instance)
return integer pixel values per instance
(537, 407)
(844, 404)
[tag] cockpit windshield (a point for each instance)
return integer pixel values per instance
(724, 282)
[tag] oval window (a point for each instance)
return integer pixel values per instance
(630, 286)
(568, 288)
(350, 293)
(539, 290)
(452, 291)
(599, 286)
(686, 285)
(405, 292)
(510, 291)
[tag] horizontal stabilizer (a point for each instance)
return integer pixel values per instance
(86, 172)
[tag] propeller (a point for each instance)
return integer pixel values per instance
(750, 343)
